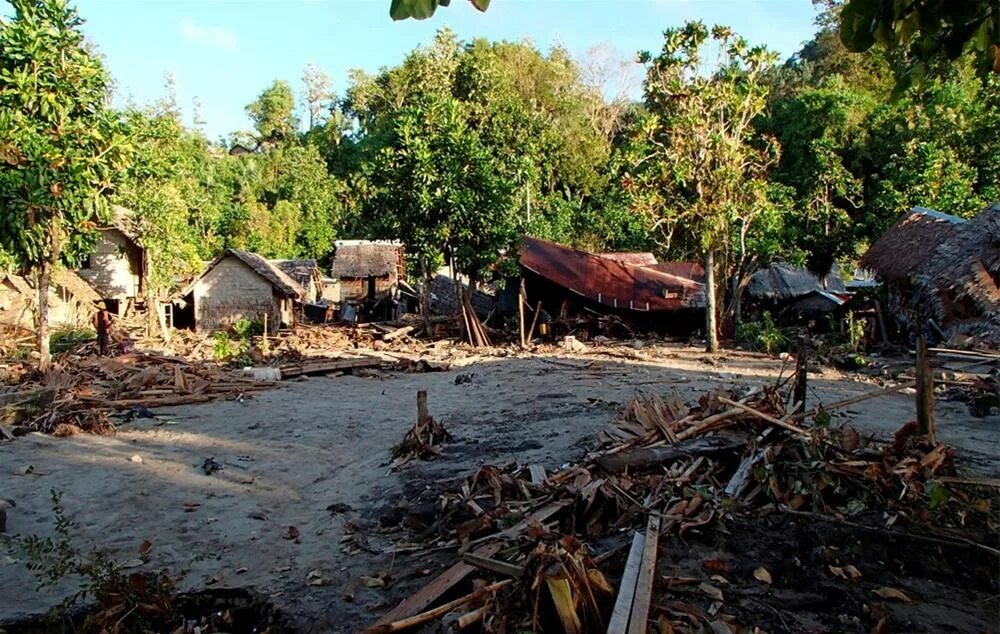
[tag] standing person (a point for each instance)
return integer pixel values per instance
(102, 324)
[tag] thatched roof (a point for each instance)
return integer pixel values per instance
(76, 285)
(365, 258)
(968, 265)
(259, 265)
(124, 220)
(61, 278)
(904, 250)
(784, 281)
(303, 271)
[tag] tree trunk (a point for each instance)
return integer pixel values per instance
(43, 278)
(425, 304)
(737, 299)
(711, 331)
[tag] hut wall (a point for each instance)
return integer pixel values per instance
(114, 268)
(231, 291)
(355, 289)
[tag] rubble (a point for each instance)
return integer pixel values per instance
(546, 550)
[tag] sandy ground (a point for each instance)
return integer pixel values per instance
(292, 452)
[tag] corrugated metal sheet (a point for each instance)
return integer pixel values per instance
(635, 259)
(608, 281)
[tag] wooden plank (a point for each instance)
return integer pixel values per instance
(537, 474)
(416, 603)
(493, 565)
(429, 615)
(644, 581)
(623, 604)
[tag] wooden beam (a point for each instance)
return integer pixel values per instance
(493, 565)
(430, 615)
(626, 591)
(766, 417)
(430, 593)
(644, 582)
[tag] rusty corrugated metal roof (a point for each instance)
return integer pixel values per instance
(608, 281)
(640, 258)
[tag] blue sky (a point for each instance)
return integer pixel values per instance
(224, 52)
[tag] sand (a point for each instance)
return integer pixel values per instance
(291, 453)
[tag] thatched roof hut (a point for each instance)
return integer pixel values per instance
(367, 270)
(240, 285)
(782, 281)
(903, 251)
(944, 268)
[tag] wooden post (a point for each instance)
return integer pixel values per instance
(422, 412)
(534, 321)
(520, 313)
(711, 330)
(925, 391)
(263, 344)
(801, 365)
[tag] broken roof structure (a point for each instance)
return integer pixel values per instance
(943, 268)
(610, 281)
(782, 281)
(305, 272)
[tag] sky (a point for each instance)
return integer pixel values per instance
(225, 52)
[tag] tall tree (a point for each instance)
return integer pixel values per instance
(60, 144)
(319, 94)
(703, 167)
(273, 114)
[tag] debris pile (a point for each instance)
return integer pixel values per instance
(547, 550)
(82, 393)
(423, 440)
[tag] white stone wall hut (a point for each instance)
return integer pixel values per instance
(117, 268)
(241, 285)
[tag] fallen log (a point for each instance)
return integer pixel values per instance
(642, 457)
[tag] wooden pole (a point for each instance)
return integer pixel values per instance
(422, 412)
(925, 391)
(801, 365)
(534, 320)
(520, 313)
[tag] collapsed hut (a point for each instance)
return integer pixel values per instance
(942, 273)
(662, 296)
(306, 273)
(237, 285)
(793, 294)
(72, 301)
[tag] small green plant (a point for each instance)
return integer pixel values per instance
(244, 329)
(761, 335)
(124, 602)
(66, 339)
(223, 347)
(855, 331)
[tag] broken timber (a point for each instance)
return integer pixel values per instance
(644, 582)
(322, 366)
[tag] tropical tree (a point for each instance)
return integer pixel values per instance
(700, 170)
(422, 9)
(60, 144)
(273, 114)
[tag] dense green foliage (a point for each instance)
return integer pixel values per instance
(463, 146)
(59, 143)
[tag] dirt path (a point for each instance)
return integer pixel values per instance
(291, 453)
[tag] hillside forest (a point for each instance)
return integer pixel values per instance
(731, 155)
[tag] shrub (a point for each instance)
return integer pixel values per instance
(761, 335)
(66, 339)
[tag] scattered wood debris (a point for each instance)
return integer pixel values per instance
(549, 547)
(84, 392)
